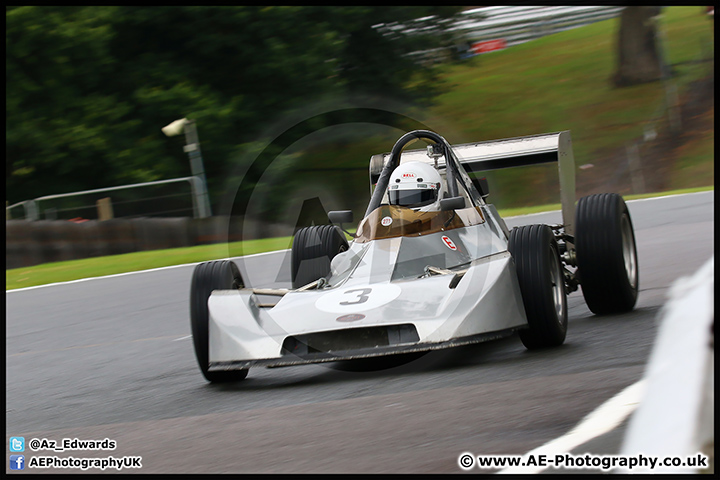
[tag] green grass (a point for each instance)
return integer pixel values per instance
(130, 262)
(694, 163)
(561, 82)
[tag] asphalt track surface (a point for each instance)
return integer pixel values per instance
(112, 358)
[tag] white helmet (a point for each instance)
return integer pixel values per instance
(416, 185)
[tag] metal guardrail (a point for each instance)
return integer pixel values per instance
(32, 213)
(519, 24)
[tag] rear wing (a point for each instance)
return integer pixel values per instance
(506, 153)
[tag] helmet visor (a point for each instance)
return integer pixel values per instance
(413, 198)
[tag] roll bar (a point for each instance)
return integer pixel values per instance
(394, 160)
(488, 155)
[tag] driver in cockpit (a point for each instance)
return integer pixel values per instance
(416, 185)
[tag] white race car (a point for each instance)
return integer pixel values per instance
(432, 265)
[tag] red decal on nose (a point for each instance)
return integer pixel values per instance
(449, 243)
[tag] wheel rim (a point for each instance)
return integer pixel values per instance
(558, 287)
(629, 255)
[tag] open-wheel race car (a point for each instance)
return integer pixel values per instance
(431, 265)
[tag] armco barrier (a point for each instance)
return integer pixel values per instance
(44, 241)
(519, 24)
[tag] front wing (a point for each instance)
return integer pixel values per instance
(366, 320)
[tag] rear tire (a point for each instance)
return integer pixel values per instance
(312, 249)
(542, 285)
(209, 276)
(606, 254)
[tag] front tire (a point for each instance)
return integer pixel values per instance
(312, 250)
(606, 254)
(542, 285)
(209, 276)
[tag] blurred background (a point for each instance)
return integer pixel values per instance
(281, 108)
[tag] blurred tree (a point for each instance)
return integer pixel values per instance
(377, 44)
(88, 88)
(57, 112)
(638, 52)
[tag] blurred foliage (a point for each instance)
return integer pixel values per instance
(89, 87)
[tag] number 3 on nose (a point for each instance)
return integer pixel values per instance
(362, 297)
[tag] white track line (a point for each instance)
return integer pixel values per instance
(668, 196)
(268, 253)
(626, 201)
(603, 419)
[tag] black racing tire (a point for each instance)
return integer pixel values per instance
(542, 285)
(209, 276)
(312, 250)
(606, 254)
